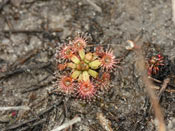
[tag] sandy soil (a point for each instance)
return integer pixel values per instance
(30, 30)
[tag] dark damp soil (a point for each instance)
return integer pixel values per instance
(30, 31)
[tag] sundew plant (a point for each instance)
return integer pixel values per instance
(81, 71)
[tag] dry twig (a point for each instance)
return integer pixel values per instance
(173, 10)
(14, 108)
(25, 57)
(34, 125)
(164, 85)
(105, 123)
(96, 7)
(24, 69)
(31, 31)
(160, 82)
(67, 124)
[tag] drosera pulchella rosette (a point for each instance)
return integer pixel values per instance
(83, 72)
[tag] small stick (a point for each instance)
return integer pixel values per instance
(173, 10)
(34, 125)
(67, 124)
(14, 126)
(105, 123)
(24, 69)
(170, 90)
(14, 108)
(164, 85)
(97, 8)
(25, 57)
(160, 82)
(155, 80)
(31, 31)
(163, 88)
(65, 108)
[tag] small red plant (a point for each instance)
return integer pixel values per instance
(154, 63)
(80, 66)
